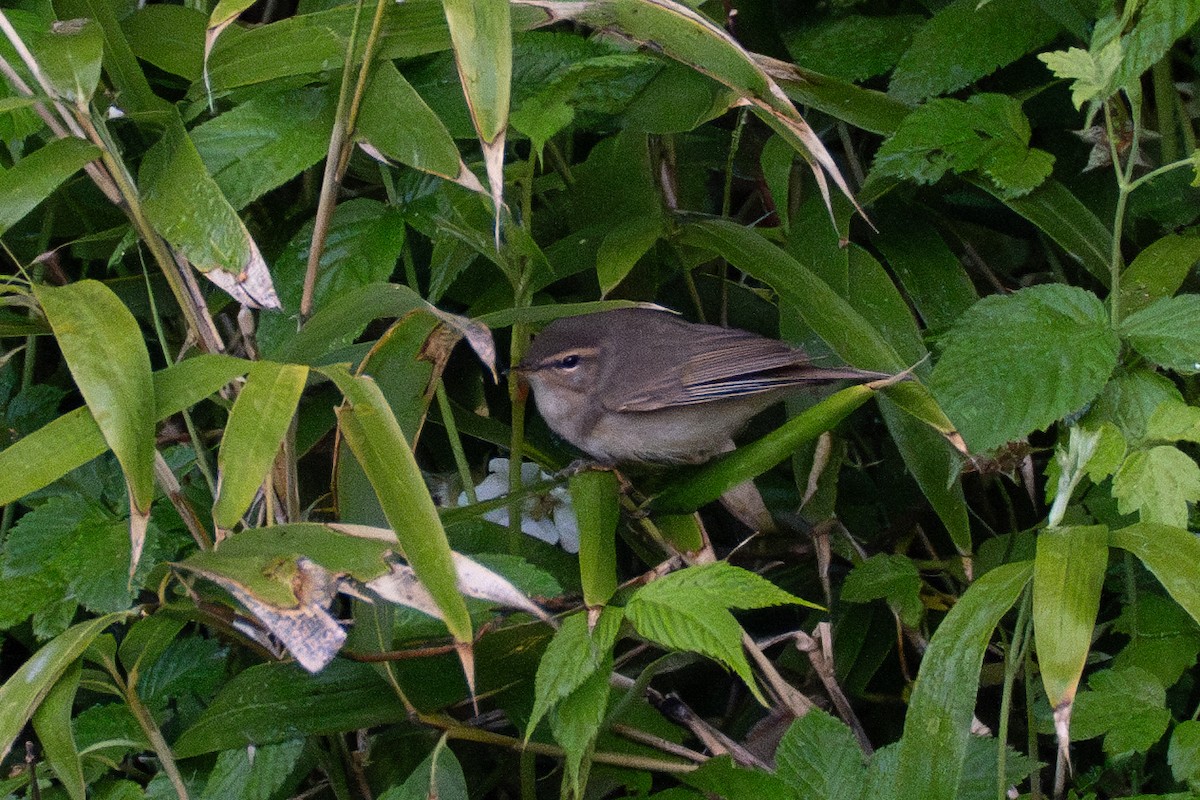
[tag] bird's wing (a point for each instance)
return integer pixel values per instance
(726, 364)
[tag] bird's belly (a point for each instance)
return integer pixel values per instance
(670, 436)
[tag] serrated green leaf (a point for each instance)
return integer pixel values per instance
(1127, 707)
(102, 344)
(1183, 754)
(1157, 484)
(1000, 32)
(1156, 26)
(1092, 73)
(1129, 401)
(576, 723)
(1174, 421)
(252, 776)
(937, 728)
(988, 132)
(689, 610)
(721, 777)
(821, 759)
(1167, 332)
(854, 47)
(1014, 364)
(887, 577)
(1164, 640)
(1068, 574)
(32, 179)
(572, 656)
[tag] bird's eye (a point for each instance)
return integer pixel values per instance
(569, 362)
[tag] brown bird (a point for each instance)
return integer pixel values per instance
(640, 385)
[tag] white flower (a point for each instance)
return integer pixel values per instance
(548, 516)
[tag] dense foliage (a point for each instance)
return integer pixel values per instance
(263, 534)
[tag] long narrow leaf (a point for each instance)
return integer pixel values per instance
(24, 691)
(373, 434)
(934, 745)
(257, 424)
(103, 347)
(74, 439)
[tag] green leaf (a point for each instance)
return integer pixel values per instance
(576, 722)
(169, 37)
(398, 123)
(1093, 74)
(820, 758)
(260, 773)
(1173, 421)
(1015, 364)
(52, 723)
(74, 439)
(595, 495)
(1068, 574)
(1167, 332)
(1127, 707)
(1064, 218)
(69, 55)
(1158, 271)
(938, 725)
(1000, 32)
(32, 179)
(1158, 23)
(1183, 754)
(373, 434)
(1129, 401)
(932, 275)
(622, 248)
(266, 141)
(362, 244)
(573, 655)
(721, 777)
(705, 485)
(1171, 554)
(120, 65)
(103, 347)
(1157, 484)
(689, 610)
(887, 577)
(854, 47)
(1164, 640)
(438, 776)
(988, 133)
(277, 702)
(27, 688)
(257, 424)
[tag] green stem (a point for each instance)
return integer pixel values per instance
(146, 721)
(1012, 661)
(331, 180)
(460, 457)
(1164, 105)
